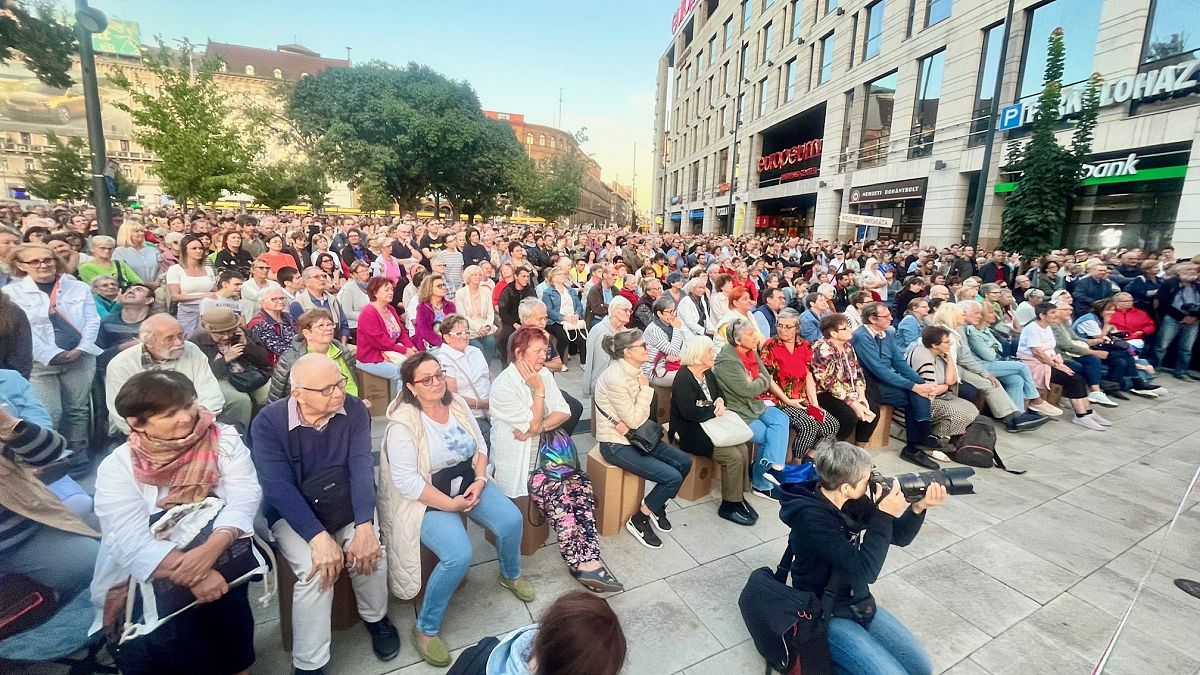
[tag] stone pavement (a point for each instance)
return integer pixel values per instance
(1029, 575)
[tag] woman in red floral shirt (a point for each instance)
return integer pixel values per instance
(794, 392)
(841, 386)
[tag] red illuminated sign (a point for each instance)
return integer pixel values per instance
(685, 8)
(793, 155)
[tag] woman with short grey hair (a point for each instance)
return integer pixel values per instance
(664, 343)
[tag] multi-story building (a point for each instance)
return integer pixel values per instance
(29, 110)
(542, 144)
(845, 119)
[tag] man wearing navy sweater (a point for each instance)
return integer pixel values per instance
(329, 431)
(899, 386)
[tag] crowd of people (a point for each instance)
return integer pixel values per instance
(213, 356)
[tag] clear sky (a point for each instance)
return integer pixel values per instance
(603, 54)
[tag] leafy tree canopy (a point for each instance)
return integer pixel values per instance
(39, 41)
(557, 192)
(64, 174)
(184, 119)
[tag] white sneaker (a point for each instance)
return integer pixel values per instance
(1046, 408)
(1100, 398)
(1099, 418)
(1088, 423)
(1144, 393)
(938, 455)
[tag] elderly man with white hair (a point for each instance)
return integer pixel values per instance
(163, 346)
(620, 311)
(329, 432)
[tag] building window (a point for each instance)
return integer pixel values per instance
(846, 117)
(728, 31)
(747, 15)
(725, 79)
(1081, 19)
(721, 121)
(795, 34)
(528, 138)
(278, 74)
(767, 41)
(853, 36)
(1173, 38)
(826, 70)
(303, 75)
(29, 165)
(789, 69)
(26, 139)
(249, 69)
(542, 140)
(981, 114)
(929, 94)
(877, 122)
(222, 67)
(553, 143)
(124, 145)
(712, 50)
(936, 11)
(912, 19)
(762, 97)
(874, 32)
(741, 109)
(830, 5)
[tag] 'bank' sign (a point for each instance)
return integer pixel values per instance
(1173, 80)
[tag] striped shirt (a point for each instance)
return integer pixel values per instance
(35, 446)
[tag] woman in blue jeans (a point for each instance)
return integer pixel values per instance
(623, 397)
(745, 382)
(826, 518)
(435, 456)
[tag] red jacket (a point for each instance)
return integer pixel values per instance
(373, 338)
(1133, 321)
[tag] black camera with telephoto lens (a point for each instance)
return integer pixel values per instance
(957, 481)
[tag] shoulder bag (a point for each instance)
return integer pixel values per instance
(726, 431)
(327, 491)
(557, 459)
(789, 627)
(644, 438)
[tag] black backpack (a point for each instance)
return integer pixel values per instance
(789, 627)
(473, 660)
(977, 446)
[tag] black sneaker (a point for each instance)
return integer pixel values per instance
(660, 522)
(1118, 394)
(385, 639)
(746, 506)
(641, 529)
(772, 494)
(732, 511)
(774, 476)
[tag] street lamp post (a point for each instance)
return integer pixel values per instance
(87, 22)
(737, 124)
(981, 186)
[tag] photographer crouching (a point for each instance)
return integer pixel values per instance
(840, 533)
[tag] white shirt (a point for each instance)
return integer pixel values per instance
(469, 369)
(74, 303)
(124, 504)
(191, 363)
(190, 285)
(1034, 335)
(511, 408)
(448, 446)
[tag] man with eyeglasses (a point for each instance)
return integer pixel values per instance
(316, 296)
(162, 346)
(320, 433)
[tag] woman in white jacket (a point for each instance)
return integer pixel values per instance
(176, 455)
(694, 311)
(64, 324)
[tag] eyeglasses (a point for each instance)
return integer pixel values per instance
(322, 326)
(638, 344)
(459, 333)
(439, 376)
(40, 262)
(788, 326)
(328, 390)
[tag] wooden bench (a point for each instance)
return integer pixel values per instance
(1053, 395)
(883, 430)
(533, 536)
(699, 481)
(377, 390)
(618, 493)
(345, 606)
(662, 404)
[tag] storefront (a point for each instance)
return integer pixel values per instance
(695, 222)
(1128, 199)
(902, 201)
(791, 152)
(786, 217)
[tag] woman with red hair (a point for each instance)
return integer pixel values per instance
(740, 304)
(383, 342)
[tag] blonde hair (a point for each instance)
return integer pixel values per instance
(426, 289)
(948, 314)
(694, 348)
(125, 232)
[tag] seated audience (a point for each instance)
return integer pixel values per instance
(354, 297)
(932, 359)
(792, 388)
(273, 327)
(467, 372)
(322, 432)
(697, 397)
(474, 301)
(240, 364)
(1134, 322)
(119, 330)
(622, 400)
(1037, 350)
(433, 469)
(382, 341)
(664, 343)
(816, 308)
(107, 295)
(1096, 329)
(316, 295)
(564, 312)
(177, 455)
(916, 314)
(618, 314)
(839, 380)
(16, 337)
(315, 335)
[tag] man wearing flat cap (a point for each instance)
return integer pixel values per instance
(239, 362)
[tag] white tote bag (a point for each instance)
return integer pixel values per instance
(727, 430)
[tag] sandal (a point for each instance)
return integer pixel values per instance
(598, 581)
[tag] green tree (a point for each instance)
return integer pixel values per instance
(409, 130)
(557, 192)
(124, 189)
(64, 172)
(45, 46)
(184, 119)
(490, 171)
(312, 182)
(1035, 213)
(373, 196)
(273, 185)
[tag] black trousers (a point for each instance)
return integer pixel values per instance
(565, 345)
(850, 428)
(576, 411)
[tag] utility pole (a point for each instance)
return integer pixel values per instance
(737, 124)
(981, 186)
(559, 123)
(87, 22)
(348, 61)
(633, 195)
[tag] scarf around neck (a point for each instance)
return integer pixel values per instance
(187, 467)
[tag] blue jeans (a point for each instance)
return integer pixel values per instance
(771, 431)
(1016, 379)
(487, 345)
(666, 467)
(443, 533)
(918, 410)
(887, 648)
(61, 560)
(1090, 368)
(1167, 330)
